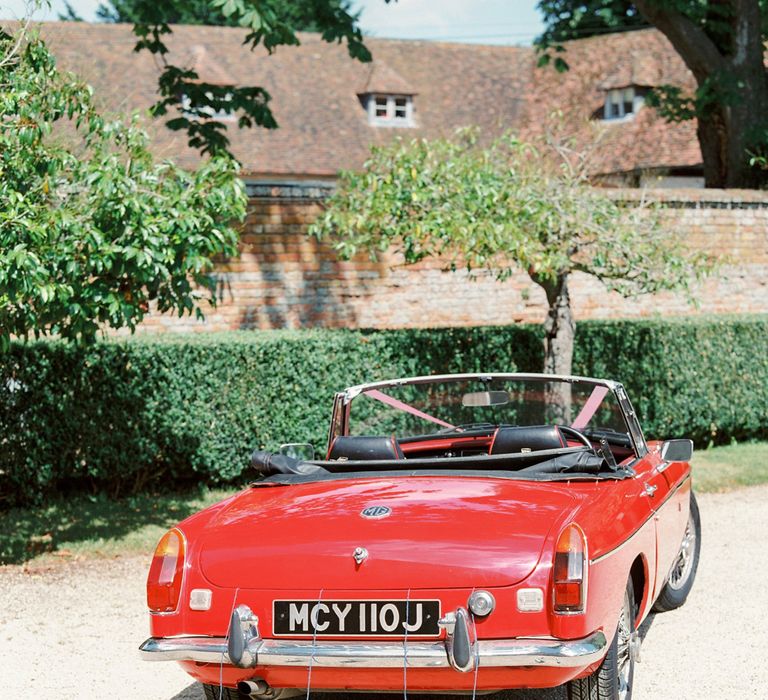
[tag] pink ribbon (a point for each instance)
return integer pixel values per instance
(593, 402)
(384, 398)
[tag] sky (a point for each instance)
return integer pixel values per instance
(480, 21)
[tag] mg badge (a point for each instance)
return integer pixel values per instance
(375, 512)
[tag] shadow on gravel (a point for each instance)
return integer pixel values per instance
(646, 626)
(191, 692)
(195, 692)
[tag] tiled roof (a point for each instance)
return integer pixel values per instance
(382, 79)
(323, 125)
(643, 58)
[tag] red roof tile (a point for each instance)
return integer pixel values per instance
(382, 79)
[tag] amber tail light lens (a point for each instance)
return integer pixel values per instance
(165, 573)
(569, 572)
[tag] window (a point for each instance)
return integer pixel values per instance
(381, 107)
(390, 110)
(207, 111)
(623, 103)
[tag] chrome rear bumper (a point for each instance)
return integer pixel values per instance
(245, 648)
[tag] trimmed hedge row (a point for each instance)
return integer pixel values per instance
(125, 415)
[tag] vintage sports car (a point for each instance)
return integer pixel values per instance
(461, 534)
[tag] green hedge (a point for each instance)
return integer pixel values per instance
(704, 378)
(125, 415)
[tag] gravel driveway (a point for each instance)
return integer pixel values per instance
(72, 631)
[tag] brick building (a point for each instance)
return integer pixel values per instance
(331, 109)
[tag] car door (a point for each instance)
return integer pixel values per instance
(664, 492)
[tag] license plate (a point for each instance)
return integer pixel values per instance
(356, 618)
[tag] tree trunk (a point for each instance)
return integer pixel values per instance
(730, 68)
(559, 326)
(727, 136)
(559, 330)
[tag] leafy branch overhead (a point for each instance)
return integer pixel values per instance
(267, 23)
(92, 229)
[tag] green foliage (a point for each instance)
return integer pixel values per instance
(269, 23)
(510, 205)
(203, 101)
(565, 20)
(174, 12)
(92, 229)
(301, 15)
(120, 417)
(704, 379)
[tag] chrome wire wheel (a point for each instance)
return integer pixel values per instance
(681, 570)
(624, 651)
(613, 679)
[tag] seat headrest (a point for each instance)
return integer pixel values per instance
(365, 447)
(529, 438)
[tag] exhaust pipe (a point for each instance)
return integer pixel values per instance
(259, 689)
(254, 689)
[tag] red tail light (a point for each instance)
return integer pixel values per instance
(570, 571)
(165, 573)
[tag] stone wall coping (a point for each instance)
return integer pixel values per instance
(695, 198)
(682, 198)
(278, 189)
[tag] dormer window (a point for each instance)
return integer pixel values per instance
(208, 111)
(623, 103)
(390, 110)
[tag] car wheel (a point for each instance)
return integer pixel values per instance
(214, 692)
(680, 579)
(613, 679)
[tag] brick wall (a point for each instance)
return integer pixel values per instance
(285, 279)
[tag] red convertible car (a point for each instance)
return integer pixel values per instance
(461, 534)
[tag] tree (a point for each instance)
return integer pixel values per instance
(92, 229)
(269, 23)
(297, 12)
(502, 208)
(566, 20)
(722, 43)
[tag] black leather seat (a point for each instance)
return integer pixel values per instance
(365, 447)
(529, 438)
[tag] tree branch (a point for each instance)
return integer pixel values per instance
(699, 52)
(22, 34)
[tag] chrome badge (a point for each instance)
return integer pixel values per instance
(375, 512)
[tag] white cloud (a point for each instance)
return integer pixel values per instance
(491, 21)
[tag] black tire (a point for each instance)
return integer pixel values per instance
(213, 692)
(680, 580)
(613, 679)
